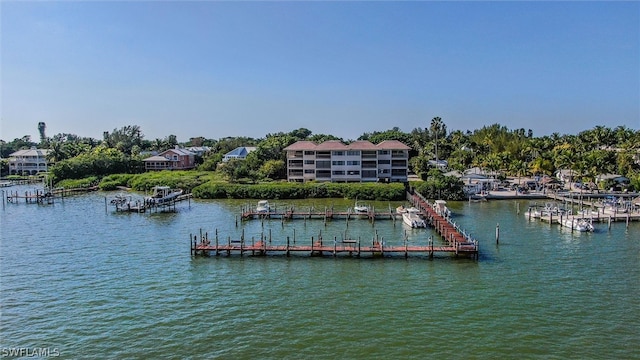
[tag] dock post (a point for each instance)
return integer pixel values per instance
(497, 233)
(105, 203)
(294, 236)
(431, 243)
(287, 246)
(406, 248)
(518, 208)
(217, 249)
(609, 227)
(335, 241)
(550, 218)
(627, 219)
(191, 242)
(229, 247)
(236, 220)
(269, 236)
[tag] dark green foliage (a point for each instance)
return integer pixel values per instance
(78, 183)
(438, 186)
(112, 182)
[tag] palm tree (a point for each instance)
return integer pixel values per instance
(436, 127)
(41, 128)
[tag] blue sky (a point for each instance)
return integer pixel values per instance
(218, 69)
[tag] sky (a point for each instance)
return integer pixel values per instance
(220, 68)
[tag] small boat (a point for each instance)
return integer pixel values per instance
(263, 207)
(412, 218)
(360, 208)
(123, 202)
(440, 206)
(578, 224)
(401, 209)
(162, 195)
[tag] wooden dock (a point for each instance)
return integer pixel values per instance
(42, 196)
(292, 213)
(456, 241)
(351, 247)
(448, 230)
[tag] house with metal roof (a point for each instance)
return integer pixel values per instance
(172, 159)
(28, 162)
(240, 152)
(359, 161)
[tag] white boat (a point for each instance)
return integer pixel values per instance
(360, 208)
(412, 218)
(578, 224)
(163, 195)
(440, 206)
(401, 209)
(263, 207)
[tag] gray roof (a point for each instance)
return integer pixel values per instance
(240, 151)
(31, 152)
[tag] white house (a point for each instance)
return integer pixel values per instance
(28, 162)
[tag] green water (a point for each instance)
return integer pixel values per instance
(91, 283)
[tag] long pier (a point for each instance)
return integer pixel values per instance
(448, 230)
(320, 247)
(291, 213)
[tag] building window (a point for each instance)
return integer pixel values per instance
(337, 172)
(309, 162)
(307, 152)
(337, 163)
(355, 162)
(353, 152)
(383, 152)
(354, 172)
(309, 171)
(338, 153)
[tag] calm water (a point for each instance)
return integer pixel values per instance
(89, 282)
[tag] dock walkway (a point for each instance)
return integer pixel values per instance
(455, 240)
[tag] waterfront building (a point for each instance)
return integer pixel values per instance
(28, 162)
(172, 159)
(359, 161)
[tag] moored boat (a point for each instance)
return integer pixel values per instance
(162, 195)
(412, 218)
(441, 208)
(263, 207)
(578, 224)
(360, 208)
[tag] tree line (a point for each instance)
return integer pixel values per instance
(512, 152)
